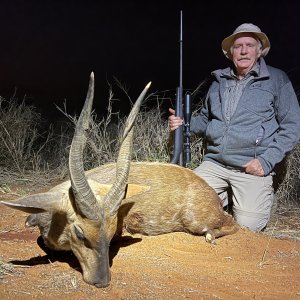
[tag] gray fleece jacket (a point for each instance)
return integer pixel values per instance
(265, 125)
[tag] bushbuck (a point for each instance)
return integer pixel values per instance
(86, 212)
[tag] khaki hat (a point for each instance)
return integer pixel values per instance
(249, 28)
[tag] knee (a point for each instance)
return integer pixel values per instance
(255, 221)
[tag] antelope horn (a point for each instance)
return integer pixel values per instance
(85, 199)
(117, 192)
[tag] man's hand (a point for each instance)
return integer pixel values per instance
(254, 167)
(174, 122)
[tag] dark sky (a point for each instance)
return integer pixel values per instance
(48, 48)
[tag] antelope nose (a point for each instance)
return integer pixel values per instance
(100, 285)
(104, 281)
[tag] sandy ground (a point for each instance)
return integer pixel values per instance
(172, 266)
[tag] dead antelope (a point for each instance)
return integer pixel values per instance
(86, 212)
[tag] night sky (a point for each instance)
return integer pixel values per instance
(49, 48)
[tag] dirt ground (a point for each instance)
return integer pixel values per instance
(172, 266)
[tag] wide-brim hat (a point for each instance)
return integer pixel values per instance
(246, 28)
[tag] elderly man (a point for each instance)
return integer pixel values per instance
(251, 120)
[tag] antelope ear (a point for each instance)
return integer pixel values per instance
(37, 203)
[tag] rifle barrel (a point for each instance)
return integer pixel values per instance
(178, 135)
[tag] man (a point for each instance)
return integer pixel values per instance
(251, 120)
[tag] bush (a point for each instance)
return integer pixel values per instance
(287, 179)
(29, 151)
(21, 140)
(26, 146)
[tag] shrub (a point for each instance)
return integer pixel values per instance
(27, 150)
(18, 133)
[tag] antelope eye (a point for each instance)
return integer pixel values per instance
(79, 233)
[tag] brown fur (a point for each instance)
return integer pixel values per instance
(169, 198)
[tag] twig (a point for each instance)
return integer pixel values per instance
(21, 292)
(265, 251)
(22, 266)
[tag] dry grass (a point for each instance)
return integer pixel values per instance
(7, 269)
(288, 185)
(285, 223)
(31, 156)
(20, 134)
(60, 281)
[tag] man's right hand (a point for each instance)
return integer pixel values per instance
(174, 122)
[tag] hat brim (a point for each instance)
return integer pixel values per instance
(228, 42)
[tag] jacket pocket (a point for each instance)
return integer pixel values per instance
(245, 136)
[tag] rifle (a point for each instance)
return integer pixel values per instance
(181, 150)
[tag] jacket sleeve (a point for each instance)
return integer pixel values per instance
(199, 122)
(288, 117)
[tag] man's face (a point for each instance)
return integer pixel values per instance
(245, 52)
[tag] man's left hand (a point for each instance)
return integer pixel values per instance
(254, 167)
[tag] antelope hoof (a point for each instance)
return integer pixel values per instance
(210, 238)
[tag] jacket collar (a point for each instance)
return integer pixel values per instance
(226, 73)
